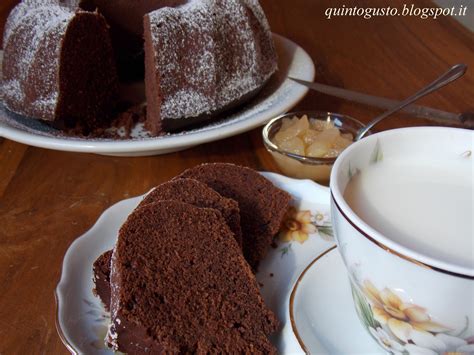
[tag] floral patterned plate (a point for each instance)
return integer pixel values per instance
(306, 233)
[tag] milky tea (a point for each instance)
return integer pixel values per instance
(426, 206)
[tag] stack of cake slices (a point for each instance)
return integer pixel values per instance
(181, 276)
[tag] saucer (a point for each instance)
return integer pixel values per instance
(322, 312)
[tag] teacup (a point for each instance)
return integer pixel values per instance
(402, 212)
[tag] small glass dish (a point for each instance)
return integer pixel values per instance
(300, 166)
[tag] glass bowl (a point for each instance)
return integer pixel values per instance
(305, 167)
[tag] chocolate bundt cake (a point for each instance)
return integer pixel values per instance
(262, 205)
(202, 57)
(58, 65)
(181, 285)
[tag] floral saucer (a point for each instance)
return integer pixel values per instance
(306, 233)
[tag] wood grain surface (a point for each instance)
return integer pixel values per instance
(49, 198)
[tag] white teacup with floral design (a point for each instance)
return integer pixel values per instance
(410, 263)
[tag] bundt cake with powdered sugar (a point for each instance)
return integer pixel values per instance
(58, 64)
(222, 53)
(202, 57)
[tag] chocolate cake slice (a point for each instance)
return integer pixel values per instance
(200, 195)
(101, 278)
(181, 285)
(185, 190)
(262, 205)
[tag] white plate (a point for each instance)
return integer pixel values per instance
(82, 322)
(278, 96)
(322, 312)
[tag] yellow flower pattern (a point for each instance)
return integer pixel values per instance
(297, 226)
(402, 327)
(403, 319)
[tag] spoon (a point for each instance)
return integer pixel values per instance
(452, 74)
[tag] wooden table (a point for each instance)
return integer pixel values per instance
(49, 198)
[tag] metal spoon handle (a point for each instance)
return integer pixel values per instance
(452, 74)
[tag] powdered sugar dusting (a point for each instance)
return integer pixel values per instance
(208, 54)
(278, 95)
(32, 39)
(276, 91)
(213, 79)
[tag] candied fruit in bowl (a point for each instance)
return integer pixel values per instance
(311, 137)
(306, 145)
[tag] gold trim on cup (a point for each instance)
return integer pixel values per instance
(292, 298)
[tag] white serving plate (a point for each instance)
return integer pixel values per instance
(82, 322)
(278, 96)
